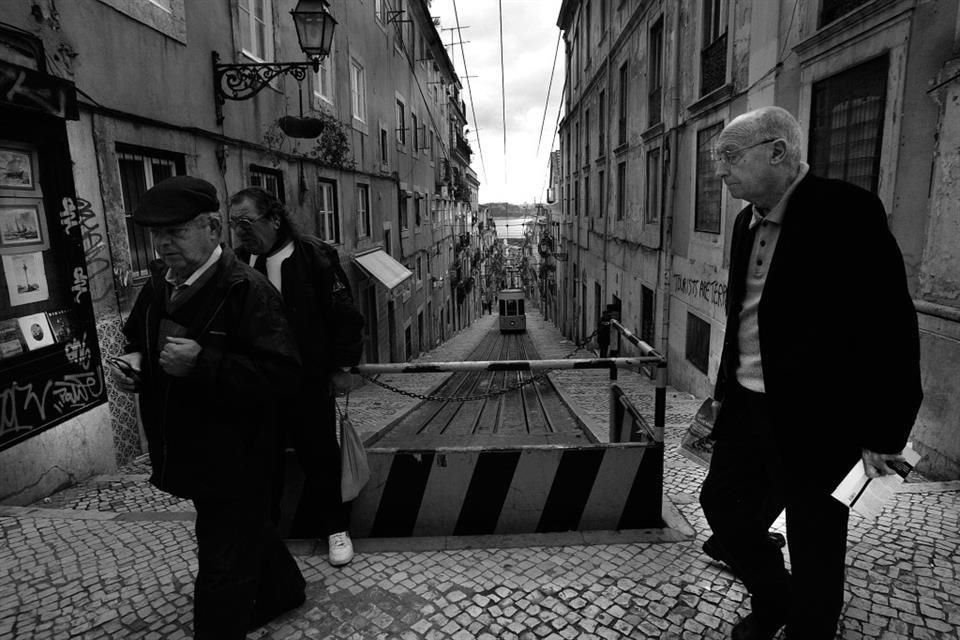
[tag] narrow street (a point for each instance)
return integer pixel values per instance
(113, 558)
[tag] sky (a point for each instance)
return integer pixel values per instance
(514, 172)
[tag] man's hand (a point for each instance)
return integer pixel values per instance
(124, 371)
(179, 356)
(875, 464)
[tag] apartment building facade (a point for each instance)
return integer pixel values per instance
(651, 83)
(104, 98)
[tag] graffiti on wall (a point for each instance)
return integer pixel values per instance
(712, 291)
(24, 407)
(99, 276)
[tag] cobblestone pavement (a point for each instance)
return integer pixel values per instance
(113, 558)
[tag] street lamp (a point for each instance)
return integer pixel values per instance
(315, 26)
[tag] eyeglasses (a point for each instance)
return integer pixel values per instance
(731, 157)
(243, 222)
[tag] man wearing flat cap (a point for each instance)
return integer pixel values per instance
(211, 355)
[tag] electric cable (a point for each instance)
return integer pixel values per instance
(466, 74)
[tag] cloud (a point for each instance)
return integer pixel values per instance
(516, 174)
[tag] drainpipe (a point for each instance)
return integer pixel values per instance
(669, 173)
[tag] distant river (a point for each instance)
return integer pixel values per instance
(510, 227)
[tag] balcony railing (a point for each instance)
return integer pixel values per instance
(713, 65)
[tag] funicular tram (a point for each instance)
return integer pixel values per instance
(512, 312)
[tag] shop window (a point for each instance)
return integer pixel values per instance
(698, 342)
(140, 170)
(846, 124)
(270, 180)
(706, 216)
(328, 218)
(50, 368)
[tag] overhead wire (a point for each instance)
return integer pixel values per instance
(466, 74)
(503, 92)
(546, 103)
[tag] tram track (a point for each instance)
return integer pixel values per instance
(476, 414)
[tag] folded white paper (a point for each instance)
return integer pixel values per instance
(867, 496)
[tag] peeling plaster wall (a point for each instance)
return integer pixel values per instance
(64, 455)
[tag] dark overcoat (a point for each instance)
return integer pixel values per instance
(838, 330)
(213, 431)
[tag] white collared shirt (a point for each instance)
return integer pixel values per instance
(274, 264)
(178, 287)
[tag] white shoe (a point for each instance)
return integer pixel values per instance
(341, 548)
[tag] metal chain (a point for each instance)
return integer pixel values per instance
(483, 396)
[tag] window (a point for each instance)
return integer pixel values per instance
(586, 196)
(379, 10)
(363, 210)
(846, 124)
(602, 124)
(621, 190)
(139, 171)
(706, 216)
(417, 221)
(646, 315)
(416, 134)
(576, 129)
(358, 91)
(256, 29)
(622, 120)
(587, 29)
(420, 337)
(698, 342)
(601, 177)
(831, 10)
(408, 342)
(656, 73)
(713, 55)
(419, 268)
(328, 221)
(653, 186)
(401, 123)
(576, 198)
(603, 16)
(586, 136)
(404, 211)
(384, 147)
(323, 79)
(270, 180)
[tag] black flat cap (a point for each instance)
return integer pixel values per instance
(176, 200)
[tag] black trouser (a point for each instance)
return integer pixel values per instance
(753, 474)
(313, 436)
(246, 574)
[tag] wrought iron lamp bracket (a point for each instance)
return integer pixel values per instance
(243, 81)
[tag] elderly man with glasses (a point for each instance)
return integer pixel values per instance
(329, 330)
(815, 375)
(211, 355)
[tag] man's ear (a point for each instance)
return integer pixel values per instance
(779, 153)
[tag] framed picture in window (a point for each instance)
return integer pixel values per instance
(18, 170)
(23, 226)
